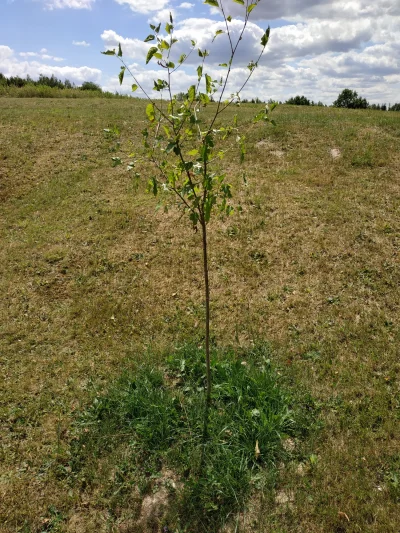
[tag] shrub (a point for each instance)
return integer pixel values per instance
(90, 86)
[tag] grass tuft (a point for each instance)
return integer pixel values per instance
(216, 453)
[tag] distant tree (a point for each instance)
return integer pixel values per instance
(51, 81)
(90, 86)
(298, 100)
(350, 100)
(394, 107)
(16, 81)
(3, 79)
(181, 96)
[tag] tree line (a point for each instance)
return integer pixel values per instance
(47, 81)
(347, 99)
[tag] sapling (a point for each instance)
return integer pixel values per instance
(185, 145)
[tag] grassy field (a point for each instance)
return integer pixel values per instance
(94, 280)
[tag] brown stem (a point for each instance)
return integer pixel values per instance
(207, 293)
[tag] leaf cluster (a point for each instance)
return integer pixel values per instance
(183, 147)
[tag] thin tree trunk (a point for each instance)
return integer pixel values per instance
(207, 294)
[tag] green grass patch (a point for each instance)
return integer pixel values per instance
(219, 454)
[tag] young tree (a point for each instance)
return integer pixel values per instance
(185, 145)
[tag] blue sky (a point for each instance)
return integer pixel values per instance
(317, 47)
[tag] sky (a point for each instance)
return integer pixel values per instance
(317, 48)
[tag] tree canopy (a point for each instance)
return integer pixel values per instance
(350, 100)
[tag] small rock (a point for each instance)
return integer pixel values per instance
(289, 445)
(277, 153)
(153, 508)
(301, 469)
(283, 498)
(335, 153)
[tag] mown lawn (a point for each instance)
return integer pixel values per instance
(94, 279)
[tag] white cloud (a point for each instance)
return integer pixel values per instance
(72, 4)
(162, 16)
(317, 37)
(132, 48)
(41, 55)
(185, 5)
(80, 43)
(11, 65)
(144, 6)
(320, 9)
(146, 78)
(28, 54)
(326, 47)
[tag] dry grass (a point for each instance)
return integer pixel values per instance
(91, 277)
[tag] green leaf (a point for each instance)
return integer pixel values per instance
(134, 87)
(192, 93)
(119, 50)
(265, 37)
(204, 98)
(229, 18)
(158, 55)
(170, 64)
(194, 217)
(223, 65)
(218, 32)
(170, 17)
(109, 53)
(193, 42)
(170, 146)
(241, 2)
(250, 8)
(163, 45)
(153, 50)
(212, 3)
(199, 71)
(208, 205)
(208, 83)
(168, 28)
(121, 75)
(182, 58)
(259, 116)
(150, 112)
(153, 185)
(116, 161)
(149, 38)
(158, 28)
